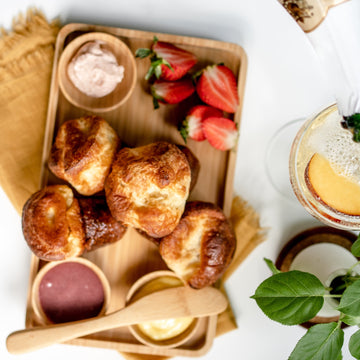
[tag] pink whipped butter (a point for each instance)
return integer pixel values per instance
(94, 70)
(71, 291)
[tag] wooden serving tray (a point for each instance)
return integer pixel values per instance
(137, 123)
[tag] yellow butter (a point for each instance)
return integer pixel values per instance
(162, 329)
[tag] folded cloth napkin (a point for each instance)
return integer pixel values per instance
(26, 56)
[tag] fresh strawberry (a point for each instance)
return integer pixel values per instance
(192, 125)
(168, 62)
(220, 132)
(217, 87)
(171, 92)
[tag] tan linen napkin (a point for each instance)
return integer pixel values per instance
(26, 56)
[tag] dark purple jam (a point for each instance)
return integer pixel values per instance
(71, 291)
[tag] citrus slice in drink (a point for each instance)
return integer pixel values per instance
(331, 187)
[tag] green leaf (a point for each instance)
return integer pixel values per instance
(272, 266)
(154, 68)
(167, 64)
(149, 73)
(321, 342)
(350, 320)
(355, 248)
(184, 130)
(354, 345)
(197, 75)
(158, 71)
(155, 103)
(356, 135)
(143, 53)
(290, 297)
(353, 123)
(350, 301)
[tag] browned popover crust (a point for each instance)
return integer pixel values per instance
(148, 186)
(194, 170)
(58, 226)
(100, 226)
(82, 153)
(194, 164)
(202, 245)
(51, 224)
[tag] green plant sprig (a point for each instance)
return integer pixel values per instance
(353, 124)
(295, 297)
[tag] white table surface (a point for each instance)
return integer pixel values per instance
(284, 82)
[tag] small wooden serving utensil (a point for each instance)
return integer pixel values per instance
(164, 304)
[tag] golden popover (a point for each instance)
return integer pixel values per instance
(202, 245)
(148, 186)
(83, 152)
(51, 223)
(57, 225)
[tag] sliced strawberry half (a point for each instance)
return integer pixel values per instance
(168, 62)
(191, 127)
(217, 87)
(221, 132)
(171, 92)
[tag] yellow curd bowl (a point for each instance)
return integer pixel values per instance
(162, 333)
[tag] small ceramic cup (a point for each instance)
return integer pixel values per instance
(122, 91)
(70, 290)
(155, 281)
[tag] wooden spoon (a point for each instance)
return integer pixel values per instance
(164, 304)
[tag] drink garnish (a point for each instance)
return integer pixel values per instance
(352, 123)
